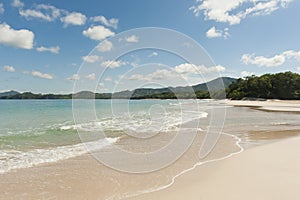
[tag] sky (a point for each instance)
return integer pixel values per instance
(44, 44)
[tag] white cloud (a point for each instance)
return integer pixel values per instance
(74, 18)
(113, 64)
(43, 12)
(1, 8)
(139, 77)
(188, 68)
(102, 87)
(28, 14)
(298, 68)
(16, 38)
(9, 68)
(91, 76)
(245, 73)
(160, 74)
(105, 46)
(132, 38)
(214, 33)
(41, 75)
(98, 33)
(108, 79)
(49, 49)
(233, 11)
(274, 61)
(91, 58)
(292, 54)
(74, 77)
(153, 54)
(183, 70)
(17, 4)
(277, 60)
(113, 22)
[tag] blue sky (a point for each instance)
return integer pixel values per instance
(43, 43)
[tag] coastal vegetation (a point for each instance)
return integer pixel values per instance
(284, 86)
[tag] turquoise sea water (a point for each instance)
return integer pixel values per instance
(38, 131)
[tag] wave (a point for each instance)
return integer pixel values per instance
(13, 159)
(139, 122)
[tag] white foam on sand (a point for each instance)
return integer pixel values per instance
(13, 159)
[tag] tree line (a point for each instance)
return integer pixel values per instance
(285, 86)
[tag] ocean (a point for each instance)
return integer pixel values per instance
(33, 132)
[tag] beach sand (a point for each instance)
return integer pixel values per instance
(267, 172)
(84, 177)
(269, 105)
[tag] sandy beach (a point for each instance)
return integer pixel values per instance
(266, 172)
(270, 105)
(268, 168)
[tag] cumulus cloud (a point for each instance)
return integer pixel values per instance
(277, 60)
(113, 22)
(274, 61)
(22, 38)
(108, 79)
(185, 69)
(43, 12)
(132, 39)
(8, 68)
(74, 18)
(49, 49)
(246, 73)
(188, 68)
(105, 46)
(17, 4)
(233, 11)
(215, 33)
(98, 33)
(1, 8)
(41, 75)
(74, 77)
(292, 54)
(160, 74)
(113, 64)
(153, 54)
(91, 76)
(91, 58)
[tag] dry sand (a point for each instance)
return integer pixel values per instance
(269, 105)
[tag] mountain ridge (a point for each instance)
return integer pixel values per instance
(195, 91)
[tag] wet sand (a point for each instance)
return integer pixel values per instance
(84, 177)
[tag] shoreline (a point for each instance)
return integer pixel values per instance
(186, 185)
(84, 177)
(198, 164)
(241, 176)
